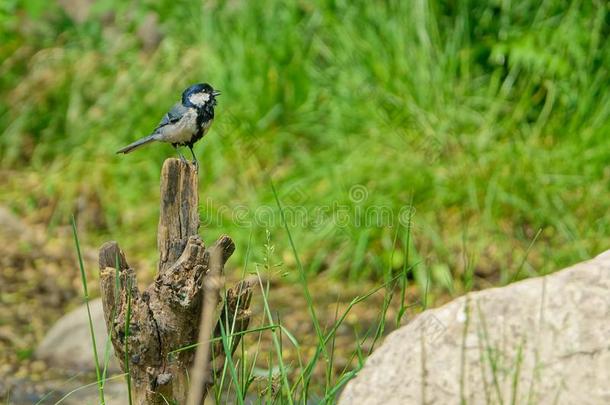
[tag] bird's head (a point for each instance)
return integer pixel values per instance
(199, 96)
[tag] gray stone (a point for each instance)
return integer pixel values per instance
(543, 341)
(68, 346)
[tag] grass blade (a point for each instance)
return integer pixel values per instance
(81, 265)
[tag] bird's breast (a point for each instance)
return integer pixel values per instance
(183, 130)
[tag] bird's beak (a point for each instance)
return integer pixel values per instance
(216, 93)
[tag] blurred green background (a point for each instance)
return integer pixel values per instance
(482, 126)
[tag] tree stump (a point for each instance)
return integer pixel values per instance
(166, 315)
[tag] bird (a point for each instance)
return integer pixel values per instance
(185, 123)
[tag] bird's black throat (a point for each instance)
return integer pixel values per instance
(204, 114)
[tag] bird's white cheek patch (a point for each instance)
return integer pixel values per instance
(199, 99)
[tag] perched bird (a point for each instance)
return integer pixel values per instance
(187, 121)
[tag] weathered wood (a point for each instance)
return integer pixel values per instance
(165, 316)
(178, 217)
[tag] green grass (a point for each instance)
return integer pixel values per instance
(491, 118)
(98, 372)
(297, 383)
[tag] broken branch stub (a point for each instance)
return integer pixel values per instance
(165, 316)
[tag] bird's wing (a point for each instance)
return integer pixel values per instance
(173, 115)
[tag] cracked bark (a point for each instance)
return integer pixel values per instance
(166, 315)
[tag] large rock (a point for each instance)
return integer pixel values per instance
(68, 345)
(544, 341)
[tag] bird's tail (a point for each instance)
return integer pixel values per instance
(138, 143)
